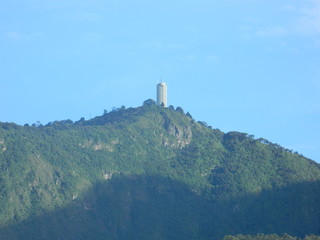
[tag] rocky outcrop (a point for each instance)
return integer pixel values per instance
(96, 146)
(178, 136)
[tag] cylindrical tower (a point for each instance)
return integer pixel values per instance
(162, 94)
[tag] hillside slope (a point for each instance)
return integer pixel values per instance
(150, 173)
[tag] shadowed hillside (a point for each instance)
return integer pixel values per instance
(152, 207)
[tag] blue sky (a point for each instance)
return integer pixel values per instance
(240, 65)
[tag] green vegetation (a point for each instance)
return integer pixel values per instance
(151, 173)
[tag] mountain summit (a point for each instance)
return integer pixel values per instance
(150, 173)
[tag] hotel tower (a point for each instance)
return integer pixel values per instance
(162, 94)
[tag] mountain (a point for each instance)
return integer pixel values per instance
(150, 173)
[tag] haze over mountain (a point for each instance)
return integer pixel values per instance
(150, 173)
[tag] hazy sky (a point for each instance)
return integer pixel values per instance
(240, 65)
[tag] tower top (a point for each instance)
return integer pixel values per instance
(162, 84)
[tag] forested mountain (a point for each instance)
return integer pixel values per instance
(150, 173)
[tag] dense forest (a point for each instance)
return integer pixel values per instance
(152, 173)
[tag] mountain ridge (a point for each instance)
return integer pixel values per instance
(48, 170)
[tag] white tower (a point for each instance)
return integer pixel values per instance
(162, 94)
